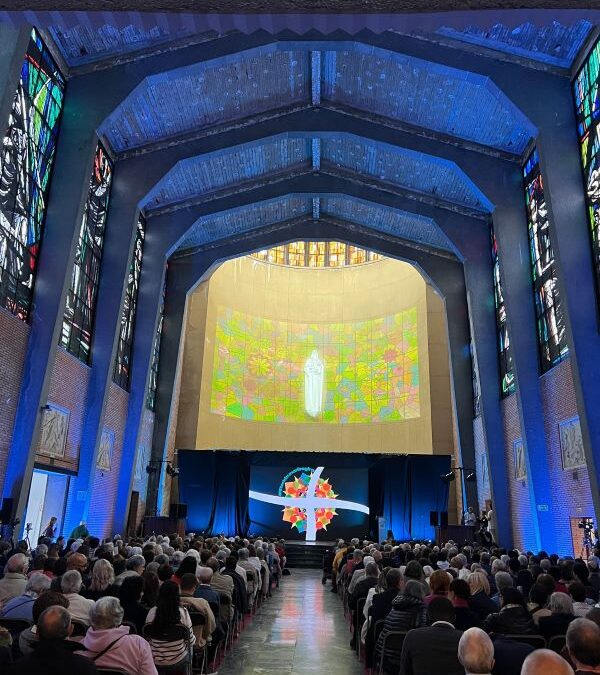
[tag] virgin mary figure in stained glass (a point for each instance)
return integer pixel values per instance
(314, 370)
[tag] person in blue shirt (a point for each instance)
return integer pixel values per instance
(21, 607)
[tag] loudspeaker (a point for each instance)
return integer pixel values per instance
(178, 511)
(443, 518)
(433, 518)
(6, 510)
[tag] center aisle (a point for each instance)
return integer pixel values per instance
(301, 629)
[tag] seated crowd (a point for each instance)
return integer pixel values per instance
(149, 604)
(418, 609)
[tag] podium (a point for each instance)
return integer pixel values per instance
(461, 534)
(164, 525)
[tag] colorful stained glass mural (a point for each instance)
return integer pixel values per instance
(552, 337)
(337, 373)
(78, 321)
(26, 162)
(507, 376)
(316, 254)
(587, 102)
(122, 369)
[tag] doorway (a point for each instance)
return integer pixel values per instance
(47, 497)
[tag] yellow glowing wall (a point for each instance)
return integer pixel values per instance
(248, 308)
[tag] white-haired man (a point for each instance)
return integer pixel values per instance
(14, 581)
(79, 607)
(476, 652)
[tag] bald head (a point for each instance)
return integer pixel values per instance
(54, 624)
(543, 662)
(476, 651)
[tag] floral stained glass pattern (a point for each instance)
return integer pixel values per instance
(551, 331)
(371, 369)
(122, 369)
(26, 162)
(78, 321)
(153, 379)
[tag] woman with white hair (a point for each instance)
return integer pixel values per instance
(561, 606)
(102, 582)
(110, 645)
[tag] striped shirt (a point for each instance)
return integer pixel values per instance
(169, 653)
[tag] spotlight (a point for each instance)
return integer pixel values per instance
(150, 469)
(448, 477)
(470, 477)
(172, 471)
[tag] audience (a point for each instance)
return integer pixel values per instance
(545, 662)
(561, 608)
(79, 607)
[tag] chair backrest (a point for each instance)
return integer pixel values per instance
(197, 618)
(535, 641)
(79, 628)
(175, 632)
(15, 626)
(132, 627)
(557, 643)
(360, 607)
(393, 641)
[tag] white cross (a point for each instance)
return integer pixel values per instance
(310, 503)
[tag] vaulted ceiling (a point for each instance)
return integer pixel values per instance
(300, 71)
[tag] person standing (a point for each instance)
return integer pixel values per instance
(470, 518)
(50, 529)
(491, 524)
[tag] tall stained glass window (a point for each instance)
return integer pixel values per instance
(153, 380)
(78, 321)
(587, 102)
(122, 369)
(507, 376)
(26, 161)
(552, 336)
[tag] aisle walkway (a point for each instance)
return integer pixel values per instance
(301, 629)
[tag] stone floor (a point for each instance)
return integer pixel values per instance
(301, 629)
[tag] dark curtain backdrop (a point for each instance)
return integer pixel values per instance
(403, 489)
(214, 485)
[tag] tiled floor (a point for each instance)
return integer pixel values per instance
(301, 629)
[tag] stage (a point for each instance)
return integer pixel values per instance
(312, 497)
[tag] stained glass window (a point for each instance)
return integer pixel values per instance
(552, 336)
(507, 376)
(587, 101)
(317, 254)
(154, 363)
(337, 254)
(78, 321)
(26, 161)
(122, 369)
(296, 254)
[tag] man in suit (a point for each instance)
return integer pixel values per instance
(433, 650)
(476, 652)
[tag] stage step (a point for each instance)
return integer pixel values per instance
(305, 555)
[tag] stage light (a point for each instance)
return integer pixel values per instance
(448, 477)
(471, 477)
